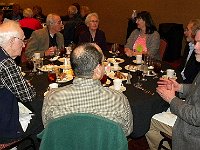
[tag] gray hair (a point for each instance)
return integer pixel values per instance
(28, 12)
(50, 20)
(8, 30)
(88, 18)
(84, 59)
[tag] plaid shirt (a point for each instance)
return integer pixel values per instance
(12, 79)
(88, 96)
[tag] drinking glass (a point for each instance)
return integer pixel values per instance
(30, 66)
(143, 68)
(39, 64)
(115, 49)
(157, 67)
(51, 76)
(138, 74)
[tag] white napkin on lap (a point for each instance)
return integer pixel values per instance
(166, 118)
(25, 115)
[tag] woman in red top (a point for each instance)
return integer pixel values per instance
(28, 21)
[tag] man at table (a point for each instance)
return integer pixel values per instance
(86, 94)
(46, 40)
(186, 130)
(189, 72)
(13, 87)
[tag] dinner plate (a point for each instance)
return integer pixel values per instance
(118, 60)
(62, 59)
(112, 75)
(165, 76)
(54, 58)
(64, 80)
(148, 74)
(133, 69)
(122, 88)
(115, 69)
(47, 68)
(65, 67)
(138, 63)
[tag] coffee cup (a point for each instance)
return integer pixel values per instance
(170, 73)
(53, 86)
(138, 59)
(115, 65)
(117, 83)
(37, 55)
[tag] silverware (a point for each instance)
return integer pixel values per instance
(144, 90)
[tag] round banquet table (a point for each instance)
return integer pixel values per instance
(143, 105)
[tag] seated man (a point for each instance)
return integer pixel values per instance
(190, 69)
(48, 39)
(86, 94)
(13, 87)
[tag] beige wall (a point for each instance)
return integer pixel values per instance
(114, 14)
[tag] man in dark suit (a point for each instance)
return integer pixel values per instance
(190, 67)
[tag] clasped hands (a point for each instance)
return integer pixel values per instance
(167, 88)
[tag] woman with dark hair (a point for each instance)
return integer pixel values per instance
(145, 39)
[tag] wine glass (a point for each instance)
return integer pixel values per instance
(157, 67)
(51, 76)
(115, 49)
(138, 74)
(39, 64)
(30, 66)
(144, 69)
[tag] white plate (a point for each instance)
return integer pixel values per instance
(118, 60)
(150, 75)
(138, 63)
(64, 80)
(54, 58)
(112, 75)
(165, 76)
(47, 68)
(132, 70)
(65, 67)
(122, 89)
(115, 69)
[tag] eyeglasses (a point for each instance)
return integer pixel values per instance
(94, 21)
(24, 41)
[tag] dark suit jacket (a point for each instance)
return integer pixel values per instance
(100, 38)
(186, 131)
(192, 67)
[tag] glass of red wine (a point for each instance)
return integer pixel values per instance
(157, 67)
(51, 76)
(104, 79)
(30, 66)
(139, 75)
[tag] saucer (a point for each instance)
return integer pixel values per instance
(122, 89)
(165, 76)
(138, 63)
(115, 69)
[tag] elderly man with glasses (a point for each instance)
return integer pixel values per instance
(13, 87)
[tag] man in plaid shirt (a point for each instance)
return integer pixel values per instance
(13, 87)
(86, 94)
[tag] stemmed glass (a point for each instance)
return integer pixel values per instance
(138, 74)
(115, 50)
(144, 71)
(30, 66)
(39, 64)
(157, 67)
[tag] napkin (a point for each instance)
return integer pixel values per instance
(166, 118)
(25, 115)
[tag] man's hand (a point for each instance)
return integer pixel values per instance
(50, 51)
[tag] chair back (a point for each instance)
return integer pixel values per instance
(82, 131)
(27, 32)
(162, 49)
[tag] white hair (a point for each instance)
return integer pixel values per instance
(50, 20)
(8, 30)
(88, 18)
